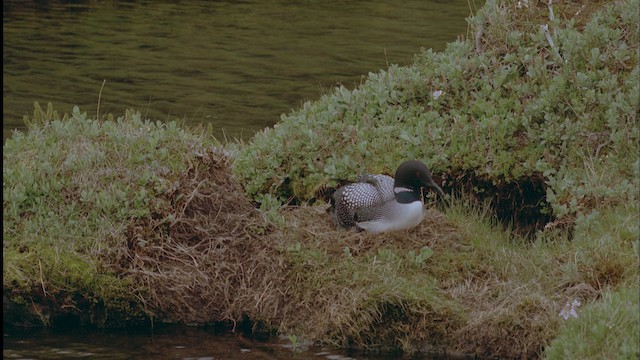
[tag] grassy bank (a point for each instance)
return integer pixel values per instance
(117, 222)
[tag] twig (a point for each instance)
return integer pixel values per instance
(100, 97)
(44, 290)
(545, 28)
(547, 34)
(478, 39)
(386, 59)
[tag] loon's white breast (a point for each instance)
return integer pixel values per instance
(396, 216)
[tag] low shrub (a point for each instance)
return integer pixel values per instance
(554, 106)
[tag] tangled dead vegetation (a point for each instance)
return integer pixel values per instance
(199, 259)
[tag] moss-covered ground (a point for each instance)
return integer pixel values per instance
(530, 124)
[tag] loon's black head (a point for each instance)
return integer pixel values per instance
(414, 174)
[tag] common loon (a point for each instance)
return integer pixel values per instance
(378, 203)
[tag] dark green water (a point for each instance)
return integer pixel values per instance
(175, 342)
(238, 65)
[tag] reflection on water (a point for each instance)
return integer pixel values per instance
(235, 64)
(170, 342)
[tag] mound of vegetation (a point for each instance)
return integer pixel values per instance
(537, 113)
(117, 221)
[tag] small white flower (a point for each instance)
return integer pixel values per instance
(569, 309)
(436, 94)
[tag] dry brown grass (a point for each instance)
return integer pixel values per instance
(200, 259)
(208, 256)
(310, 225)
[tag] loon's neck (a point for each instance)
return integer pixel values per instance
(406, 196)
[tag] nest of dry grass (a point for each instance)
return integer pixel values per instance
(311, 226)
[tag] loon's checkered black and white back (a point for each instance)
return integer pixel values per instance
(378, 203)
(354, 202)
